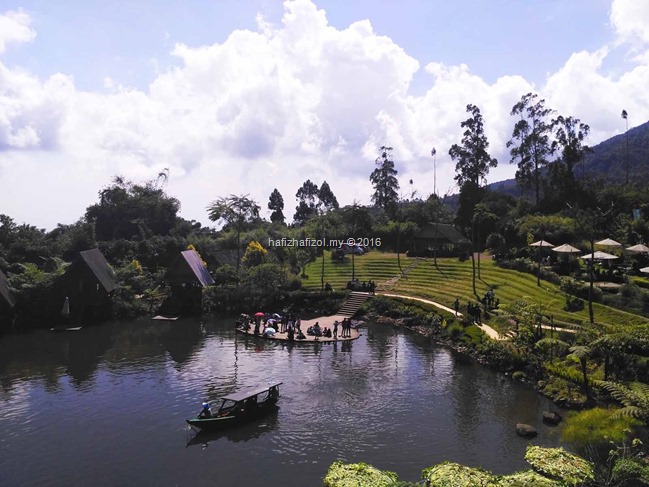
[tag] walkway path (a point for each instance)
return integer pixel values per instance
(489, 331)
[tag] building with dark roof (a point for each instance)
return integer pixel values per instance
(89, 283)
(443, 238)
(187, 276)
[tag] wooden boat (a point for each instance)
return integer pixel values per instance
(238, 408)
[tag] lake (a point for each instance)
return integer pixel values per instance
(106, 406)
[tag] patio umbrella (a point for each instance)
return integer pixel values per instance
(645, 270)
(599, 256)
(639, 249)
(541, 243)
(609, 242)
(567, 249)
(259, 313)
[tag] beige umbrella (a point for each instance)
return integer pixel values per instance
(541, 243)
(567, 249)
(645, 270)
(609, 242)
(639, 249)
(599, 256)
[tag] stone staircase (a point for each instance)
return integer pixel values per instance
(352, 303)
(390, 283)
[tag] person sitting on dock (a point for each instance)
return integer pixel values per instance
(269, 331)
(206, 412)
(300, 335)
(326, 332)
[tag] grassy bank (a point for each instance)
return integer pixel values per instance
(451, 279)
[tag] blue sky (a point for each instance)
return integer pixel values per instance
(245, 96)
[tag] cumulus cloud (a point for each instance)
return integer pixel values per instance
(630, 19)
(14, 28)
(270, 108)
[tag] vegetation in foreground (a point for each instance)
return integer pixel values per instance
(551, 467)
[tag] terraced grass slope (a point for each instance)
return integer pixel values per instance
(452, 279)
(378, 267)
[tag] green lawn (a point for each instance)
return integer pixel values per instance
(452, 279)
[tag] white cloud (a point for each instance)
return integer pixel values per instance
(630, 19)
(14, 28)
(269, 109)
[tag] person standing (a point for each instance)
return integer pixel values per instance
(456, 306)
(336, 330)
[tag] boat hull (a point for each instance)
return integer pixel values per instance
(238, 418)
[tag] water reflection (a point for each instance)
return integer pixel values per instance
(242, 433)
(119, 395)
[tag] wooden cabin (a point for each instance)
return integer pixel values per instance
(443, 238)
(89, 283)
(187, 276)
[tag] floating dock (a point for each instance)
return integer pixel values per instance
(323, 321)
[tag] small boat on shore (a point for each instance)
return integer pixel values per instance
(238, 408)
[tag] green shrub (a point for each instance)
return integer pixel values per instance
(596, 426)
(449, 474)
(358, 475)
(558, 464)
(629, 472)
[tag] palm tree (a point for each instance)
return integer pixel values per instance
(235, 210)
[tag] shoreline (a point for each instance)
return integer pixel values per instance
(475, 355)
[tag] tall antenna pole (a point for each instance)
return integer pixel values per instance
(434, 154)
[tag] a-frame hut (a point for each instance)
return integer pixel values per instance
(187, 277)
(89, 283)
(5, 294)
(7, 304)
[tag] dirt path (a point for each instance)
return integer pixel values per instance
(489, 331)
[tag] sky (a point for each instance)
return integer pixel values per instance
(245, 96)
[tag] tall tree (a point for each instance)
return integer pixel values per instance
(327, 198)
(471, 157)
(276, 204)
(384, 180)
(133, 211)
(530, 145)
(592, 222)
(235, 210)
(625, 116)
(570, 134)
(308, 202)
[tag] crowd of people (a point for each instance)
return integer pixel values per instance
(474, 311)
(264, 324)
(366, 287)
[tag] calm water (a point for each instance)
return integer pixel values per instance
(106, 406)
